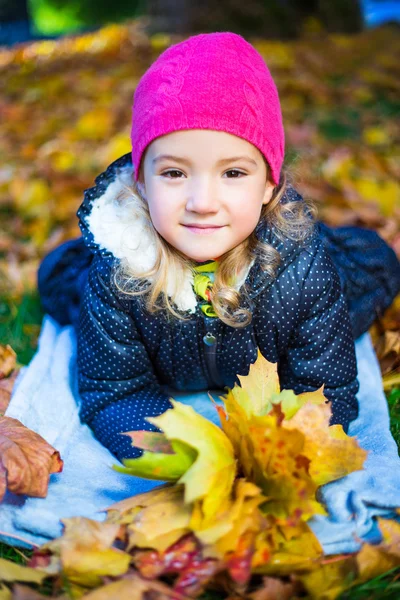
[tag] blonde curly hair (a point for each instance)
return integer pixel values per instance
(292, 220)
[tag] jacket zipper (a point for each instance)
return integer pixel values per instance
(210, 345)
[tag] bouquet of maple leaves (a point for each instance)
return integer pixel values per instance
(231, 517)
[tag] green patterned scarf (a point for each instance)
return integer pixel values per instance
(202, 284)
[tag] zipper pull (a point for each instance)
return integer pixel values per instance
(209, 339)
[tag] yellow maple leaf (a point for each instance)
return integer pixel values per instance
(241, 516)
(160, 524)
(214, 466)
(268, 454)
(85, 551)
(256, 389)
(330, 579)
(331, 452)
(284, 448)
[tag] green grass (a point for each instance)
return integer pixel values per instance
(20, 324)
(14, 554)
(393, 398)
(384, 587)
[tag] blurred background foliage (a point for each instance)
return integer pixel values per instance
(66, 110)
(273, 18)
(54, 17)
(281, 19)
(66, 114)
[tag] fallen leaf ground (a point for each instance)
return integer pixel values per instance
(66, 115)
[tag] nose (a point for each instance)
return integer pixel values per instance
(202, 197)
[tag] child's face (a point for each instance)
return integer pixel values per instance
(200, 205)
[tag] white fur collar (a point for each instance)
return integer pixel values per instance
(117, 229)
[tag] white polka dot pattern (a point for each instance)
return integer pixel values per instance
(125, 355)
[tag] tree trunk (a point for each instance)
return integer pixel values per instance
(13, 10)
(169, 16)
(341, 16)
(265, 18)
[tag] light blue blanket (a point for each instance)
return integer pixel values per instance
(45, 399)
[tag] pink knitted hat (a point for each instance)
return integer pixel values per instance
(212, 81)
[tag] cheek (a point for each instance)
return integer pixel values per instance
(157, 213)
(247, 214)
(162, 209)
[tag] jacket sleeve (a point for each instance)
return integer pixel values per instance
(321, 348)
(116, 380)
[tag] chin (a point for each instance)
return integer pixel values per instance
(201, 258)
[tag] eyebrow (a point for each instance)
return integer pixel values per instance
(223, 161)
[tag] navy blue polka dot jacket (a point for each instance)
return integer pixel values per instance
(306, 318)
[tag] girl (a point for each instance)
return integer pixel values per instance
(196, 251)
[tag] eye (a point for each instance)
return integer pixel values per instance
(236, 172)
(168, 173)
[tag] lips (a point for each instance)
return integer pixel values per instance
(202, 226)
(203, 229)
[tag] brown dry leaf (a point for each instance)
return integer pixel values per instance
(391, 343)
(6, 388)
(134, 587)
(391, 536)
(391, 318)
(8, 359)
(86, 551)
(387, 346)
(274, 589)
(372, 561)
(26, 460)
(22, 592)
(84, 533)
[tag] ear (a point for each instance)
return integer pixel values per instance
(269, 190)
(141, 188)
(139, 182)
